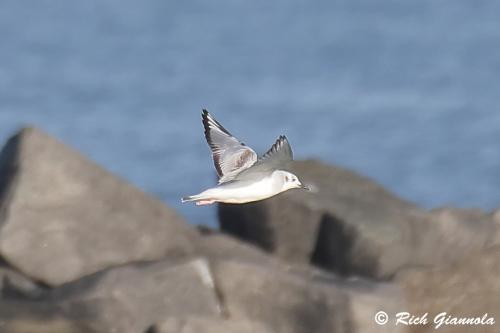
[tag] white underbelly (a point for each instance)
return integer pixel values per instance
(263, 189)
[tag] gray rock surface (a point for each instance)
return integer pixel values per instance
(63, 217)
(131, 298)
(36, 317)
(269, 278)
(215, 245)
(287, 301)
(455, 233)
(496, 216)
(366, 299)
(363, 298)
(208, 325)
(220, 294)
(350, 225)
(14, 284)
(470, 288)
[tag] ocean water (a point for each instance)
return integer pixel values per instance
(407, 93)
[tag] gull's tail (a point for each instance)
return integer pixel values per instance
(202, 198)
(190, 198)
(199, 198)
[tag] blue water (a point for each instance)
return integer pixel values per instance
(407, 93)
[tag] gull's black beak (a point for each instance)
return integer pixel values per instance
(304, 187)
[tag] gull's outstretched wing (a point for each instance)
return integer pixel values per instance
(278, 157)
(279, 152)
(229, 154)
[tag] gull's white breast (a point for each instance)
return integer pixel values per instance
(245, 191)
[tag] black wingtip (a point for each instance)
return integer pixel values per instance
(204, 115)
(281, 144)
(207, 118)
(204, 119)
(282, 139)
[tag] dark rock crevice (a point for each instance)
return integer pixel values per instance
(9, 165)
(244, 226)
(334, 247)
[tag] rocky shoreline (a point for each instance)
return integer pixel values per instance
(84, 251)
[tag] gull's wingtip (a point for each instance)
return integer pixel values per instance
(205, 116)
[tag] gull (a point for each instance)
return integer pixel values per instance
(244, 177)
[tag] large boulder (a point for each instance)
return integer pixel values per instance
(233, 261)
(63, 217)
(131, 298)
(450, 234)
(234, 288)
(467, 289)
(351, 225)
(291, 301)
(347, 223)
(243, 273)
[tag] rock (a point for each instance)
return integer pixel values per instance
(348, 223)
(208, 325)
(352, 226)
(366, 299)
(63, 217)
(215, 245)
(237, 288)
(15, 285)
(454, 233)
(496, 216)
(134, 297)
(36, 317)
(286, 301)
(56, 325)
(470, 288)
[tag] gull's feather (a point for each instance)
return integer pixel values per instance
(277, 157)
(229, 154)
(280, 151)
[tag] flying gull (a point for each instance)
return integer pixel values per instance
(244, 177)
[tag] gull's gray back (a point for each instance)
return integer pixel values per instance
(278, 157)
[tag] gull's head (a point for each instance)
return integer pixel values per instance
(289, 181)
